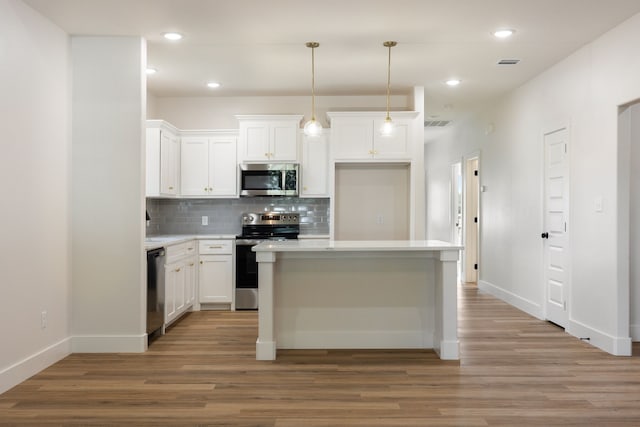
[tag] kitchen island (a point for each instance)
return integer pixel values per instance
(325, 294)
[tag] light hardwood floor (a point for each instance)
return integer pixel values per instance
(514, 371)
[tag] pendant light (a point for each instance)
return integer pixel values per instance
(313, 127)
(387, 127)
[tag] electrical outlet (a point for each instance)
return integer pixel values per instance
(43, 319)
(205, 220)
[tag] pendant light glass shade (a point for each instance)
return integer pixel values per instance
(313, 127)
(387, 128)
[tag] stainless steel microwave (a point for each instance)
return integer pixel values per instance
(272, 179)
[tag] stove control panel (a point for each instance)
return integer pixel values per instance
(271, 218)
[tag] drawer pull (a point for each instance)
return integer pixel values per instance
(189, 249)
(216, 247)
(177, 270)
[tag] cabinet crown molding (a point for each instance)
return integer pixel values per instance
(297, 117)
(162, 124)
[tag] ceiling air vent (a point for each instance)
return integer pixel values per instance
(436, 123)
(508, 61)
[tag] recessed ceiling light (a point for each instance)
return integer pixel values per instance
(150, 71)
(453, 82)
(213, 85)
(503, 33)
(172, 36)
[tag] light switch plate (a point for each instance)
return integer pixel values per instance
(597, 203)
(205, 220)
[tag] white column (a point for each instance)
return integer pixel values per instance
(445, 341)
(107, 194)
(266, 344)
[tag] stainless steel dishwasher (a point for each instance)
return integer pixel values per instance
(155, 292)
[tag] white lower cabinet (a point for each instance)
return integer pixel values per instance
(179, 280)
(216, 272)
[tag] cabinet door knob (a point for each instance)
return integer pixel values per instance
(170, 188)
(210, 189)
(191, 265)
(177, 270)
(266, 154)
(201, 262)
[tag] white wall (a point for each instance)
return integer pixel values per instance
(34, 170)
(109, 102)
(214, 112)
(583, 91)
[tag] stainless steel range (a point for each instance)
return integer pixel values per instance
(256, 228)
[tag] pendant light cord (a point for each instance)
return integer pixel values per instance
(389, 45)
(388, 82)
(313, 84)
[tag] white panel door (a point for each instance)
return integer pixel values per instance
(254, 141)
(554, 235)
(394, 146)
(284, 141)
(352, 139)
(169, 161)
(223, 168)
(195, 166)
(315, 166)
(215, 278)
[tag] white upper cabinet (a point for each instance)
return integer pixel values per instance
(209, 166)
(356, 136)
(270, 138)
(314, 167)
(163, 159)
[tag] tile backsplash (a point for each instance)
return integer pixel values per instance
(184, 216)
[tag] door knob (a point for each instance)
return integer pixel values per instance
(545, 235)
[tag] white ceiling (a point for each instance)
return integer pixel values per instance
(257, 47)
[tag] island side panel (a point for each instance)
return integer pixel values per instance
(355, 300)
(266, 344)
(446, 342)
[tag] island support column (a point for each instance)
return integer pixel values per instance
(446, 342)
(266, 343)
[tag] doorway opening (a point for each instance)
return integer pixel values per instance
(471, 216)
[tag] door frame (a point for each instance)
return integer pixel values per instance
(547, 130)
(465, 191)
(453, 204)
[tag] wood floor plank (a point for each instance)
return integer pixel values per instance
(514, 371)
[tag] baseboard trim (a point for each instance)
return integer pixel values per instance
(29, 366)
(109, 343)
(634, 331)
(520, 303)
(617, 346)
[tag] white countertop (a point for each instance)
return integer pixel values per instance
(313, 245)
(153, 242)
